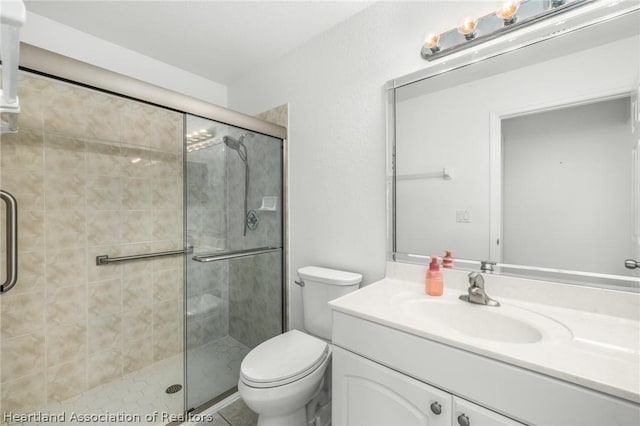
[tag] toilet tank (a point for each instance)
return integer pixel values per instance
(322, 285)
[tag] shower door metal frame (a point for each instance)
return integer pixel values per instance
(60, 67)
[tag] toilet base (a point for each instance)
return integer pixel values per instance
(297, 418)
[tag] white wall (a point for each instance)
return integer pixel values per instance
(334, 87)
(56, 37)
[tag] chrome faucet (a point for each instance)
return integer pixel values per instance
(476, 291)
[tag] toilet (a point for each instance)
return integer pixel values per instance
(281, 376)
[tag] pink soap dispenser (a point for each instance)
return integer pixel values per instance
(433, 282)
(447, 260)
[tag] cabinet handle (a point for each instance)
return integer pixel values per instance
(463, 420)
(436, 408)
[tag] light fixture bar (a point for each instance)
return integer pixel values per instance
(491, 26)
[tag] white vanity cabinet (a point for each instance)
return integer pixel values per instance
(386, 376)
(366, 393)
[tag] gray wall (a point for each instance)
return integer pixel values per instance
(255, 298)
(566, 186)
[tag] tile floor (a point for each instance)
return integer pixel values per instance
(235, 414)
(213, 369)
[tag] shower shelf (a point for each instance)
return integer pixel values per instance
(269, 204)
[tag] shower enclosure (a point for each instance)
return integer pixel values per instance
(137, 291)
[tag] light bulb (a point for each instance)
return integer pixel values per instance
(507, 11)
(431, 41)
(467, 27)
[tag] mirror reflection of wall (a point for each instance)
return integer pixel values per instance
(457, 121)
(566, 186)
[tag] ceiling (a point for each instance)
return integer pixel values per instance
(218, 40)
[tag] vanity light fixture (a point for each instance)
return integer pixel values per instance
(510, 15)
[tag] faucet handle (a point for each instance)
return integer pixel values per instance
(476, 279)
(476, 293)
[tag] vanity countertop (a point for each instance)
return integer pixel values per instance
(594, 350)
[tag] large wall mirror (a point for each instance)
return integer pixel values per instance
(528, 158)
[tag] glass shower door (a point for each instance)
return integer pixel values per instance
(234, 290)
(94, 175)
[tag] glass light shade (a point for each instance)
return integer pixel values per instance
(467, 27)
(431, 40)
(507, 10)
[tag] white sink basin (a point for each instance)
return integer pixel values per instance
(505, 324)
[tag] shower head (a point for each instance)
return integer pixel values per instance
(237, 145)
(232, 142)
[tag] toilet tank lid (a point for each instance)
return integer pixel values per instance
(329, 276)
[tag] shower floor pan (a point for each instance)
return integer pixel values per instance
(143, 392)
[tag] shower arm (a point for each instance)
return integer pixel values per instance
(246, 186)
(239, 146)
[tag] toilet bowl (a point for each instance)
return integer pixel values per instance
(281, 376)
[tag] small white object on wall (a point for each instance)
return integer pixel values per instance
(269, 203)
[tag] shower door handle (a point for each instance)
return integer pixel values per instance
(227, 255)
(12, 241)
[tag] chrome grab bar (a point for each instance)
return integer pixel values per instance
(224, 255)
(12, 241)
(105, 259)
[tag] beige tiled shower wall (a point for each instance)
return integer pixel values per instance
(93, 174)
(278, 115)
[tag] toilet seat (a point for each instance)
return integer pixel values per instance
(283, 359)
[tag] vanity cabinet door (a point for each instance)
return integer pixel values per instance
(466, 413)
(368, 394)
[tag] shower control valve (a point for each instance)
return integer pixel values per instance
(252, 220)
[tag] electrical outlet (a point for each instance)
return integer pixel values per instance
(462, 216)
